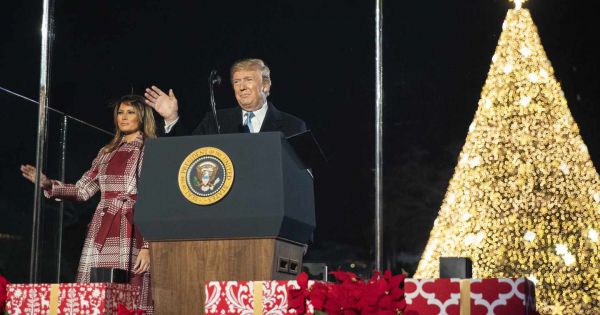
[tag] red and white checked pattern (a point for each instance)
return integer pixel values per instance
(108, 240)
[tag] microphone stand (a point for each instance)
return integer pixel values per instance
(214, 79)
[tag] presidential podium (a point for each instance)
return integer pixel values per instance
(221, 207)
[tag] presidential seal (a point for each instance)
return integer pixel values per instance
(205, 176)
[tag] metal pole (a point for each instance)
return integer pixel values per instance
(47, 34)
(61, 209)
(378, 133)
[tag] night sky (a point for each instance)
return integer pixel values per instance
(321, 54)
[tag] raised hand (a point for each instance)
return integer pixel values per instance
(164, 104)
(28, 172)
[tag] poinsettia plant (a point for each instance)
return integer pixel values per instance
(383, 294)
(3, 284)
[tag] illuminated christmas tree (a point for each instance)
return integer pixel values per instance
(524, 199)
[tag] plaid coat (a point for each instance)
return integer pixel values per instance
(109, 236)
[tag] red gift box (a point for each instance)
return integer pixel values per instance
(505, 296)
(249, 297)
(70, 298)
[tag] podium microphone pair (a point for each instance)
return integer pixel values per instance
(214, 80)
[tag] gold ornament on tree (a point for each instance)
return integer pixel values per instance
(524, 200)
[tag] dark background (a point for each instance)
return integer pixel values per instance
(321, 54)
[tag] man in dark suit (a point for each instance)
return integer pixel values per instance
(251, 80)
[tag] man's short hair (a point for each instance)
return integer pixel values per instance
(252, 64)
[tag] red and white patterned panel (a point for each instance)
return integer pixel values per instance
(502, 296)
(432, 296)
(237, 297)
(74, 298)
(487, 296)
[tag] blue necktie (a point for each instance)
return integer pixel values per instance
(248, 121)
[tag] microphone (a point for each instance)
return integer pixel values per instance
(214, 79)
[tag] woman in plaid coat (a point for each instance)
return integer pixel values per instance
(114, 173)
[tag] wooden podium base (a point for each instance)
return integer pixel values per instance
(180, 268)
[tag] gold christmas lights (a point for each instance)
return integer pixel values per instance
(524, 200)
(518, 3)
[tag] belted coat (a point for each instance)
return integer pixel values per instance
(111, 233)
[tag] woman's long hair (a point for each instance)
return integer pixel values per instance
(144, 115)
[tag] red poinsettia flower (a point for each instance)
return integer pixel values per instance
(341, 301)
(383, 294)
(123, 310)
(318, 295)
(3, 284)
(297, 297)
(393, 298)
(351, 283)
(346, 278)
(374, 290)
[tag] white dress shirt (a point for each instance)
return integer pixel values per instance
(259, 117)
(169, 126)
(257, 120)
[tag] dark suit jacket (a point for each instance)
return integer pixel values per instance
(230, 120)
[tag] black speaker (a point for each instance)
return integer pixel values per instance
(456, 267)
(112, 275)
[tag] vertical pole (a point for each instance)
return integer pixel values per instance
(61, 209)
(378, 133)
(47, 34)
